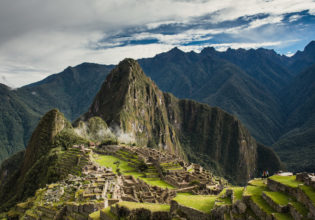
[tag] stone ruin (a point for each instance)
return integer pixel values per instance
(187, 177)
(99, 187)
(306, 178)
(136, 190)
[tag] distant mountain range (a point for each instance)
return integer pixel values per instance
(272, 95)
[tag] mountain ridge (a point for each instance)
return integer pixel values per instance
(261, 110)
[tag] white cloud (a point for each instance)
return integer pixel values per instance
(39, 37)
(295, 18)
(269, 20)
(289, 54)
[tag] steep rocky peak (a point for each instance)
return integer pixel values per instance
(129, 69)
(40, 143)
(130, 100)
(126, 78)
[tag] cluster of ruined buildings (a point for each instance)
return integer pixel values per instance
(101, 184)
(170, 168)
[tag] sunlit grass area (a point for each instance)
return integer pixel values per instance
(202, 203)
(238, 193)
(154, 207)
(125, 169)
(258, 182)
(279, 197)
(95, 215)
(262, 204)
(254, 190)
(286, 180)
(310, 192)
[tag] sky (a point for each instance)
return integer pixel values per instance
(42, 37)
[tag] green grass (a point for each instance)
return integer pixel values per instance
(283, 216)
(125, 169)
(108, 161)
(109, 213)
(157, 182)
(262, 204)
(254, 190)
(279, 198)
(200, 202)
(238, 193)
(310, 192)
(224, 201)
(257, 182)
(300, 208)
(174, 168)
(286, 180)
(153, 207)
(95, 215)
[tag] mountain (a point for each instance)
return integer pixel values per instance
(250, 84)
(129, 103)
(297, 144)
(212, 78)
(71, 91)
(45, 160)
(265, 66)
(301, 60)
(130, 100)
(17, 121)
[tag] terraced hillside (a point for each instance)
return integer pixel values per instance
(124, 182)
(278, 197)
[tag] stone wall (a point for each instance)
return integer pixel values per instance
(279, 187)
(83, 210)
(258, 212)
(294, 213)
(275, 205)
(138, 213)
(187, 212)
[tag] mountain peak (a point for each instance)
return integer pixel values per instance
(131, 101)
(49, 126)
(208, 50)
(310, 47)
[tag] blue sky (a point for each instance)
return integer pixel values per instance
(41, 37)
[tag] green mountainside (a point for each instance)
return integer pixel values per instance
(17, 121)
(253, 85)
(297, 145)
(235, 80)
(71, 91)
(130, 100)
(43, 160)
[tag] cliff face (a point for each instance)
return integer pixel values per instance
(214, 138)
(209, 136)
(130, 100)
